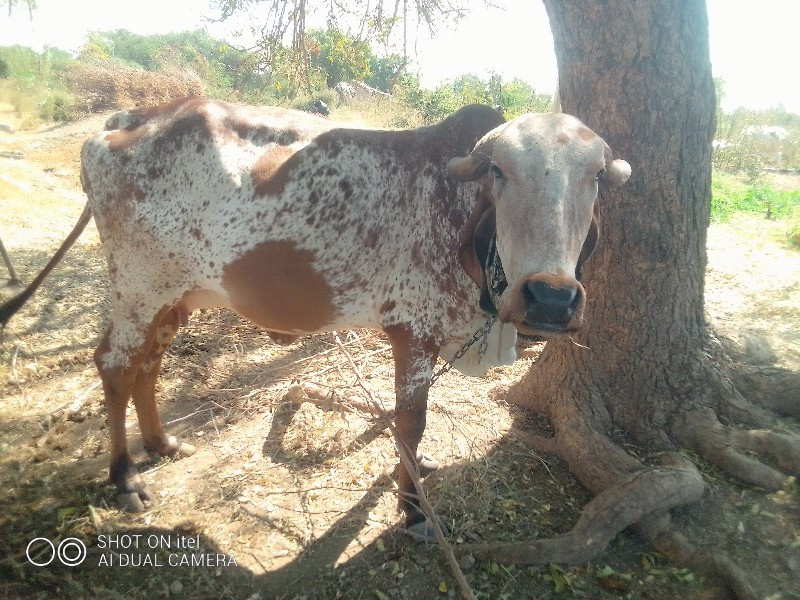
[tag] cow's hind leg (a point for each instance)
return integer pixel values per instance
(121, 358)
(144, 389)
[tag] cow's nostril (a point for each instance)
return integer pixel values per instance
(543, 293)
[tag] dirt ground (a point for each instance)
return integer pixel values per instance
(297, 501)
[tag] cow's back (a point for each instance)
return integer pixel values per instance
(295, 222)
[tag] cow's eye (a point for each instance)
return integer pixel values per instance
(496, 171)
(600, 174)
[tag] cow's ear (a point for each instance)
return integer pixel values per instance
(475, 242)
(589, 243)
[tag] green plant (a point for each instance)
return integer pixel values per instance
(730, 195)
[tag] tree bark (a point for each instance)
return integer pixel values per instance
(627, 69)
(638, 73)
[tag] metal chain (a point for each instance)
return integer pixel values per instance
(482, 335)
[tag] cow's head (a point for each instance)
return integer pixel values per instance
(538, 217)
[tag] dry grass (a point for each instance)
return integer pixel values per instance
(103, 86)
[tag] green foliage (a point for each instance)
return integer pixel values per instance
(513, 98)
(33, 83)
(729, 195)
(384, 71)
(56, 107)
(339, 56)
(225, 70)
(24, 64)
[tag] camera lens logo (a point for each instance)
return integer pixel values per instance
(70, 552)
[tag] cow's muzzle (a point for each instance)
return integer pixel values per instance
(544, 304)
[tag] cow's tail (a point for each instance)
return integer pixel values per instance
(9, 309)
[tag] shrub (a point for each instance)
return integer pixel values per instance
(56, 107)
(105, 85)
(729, 195)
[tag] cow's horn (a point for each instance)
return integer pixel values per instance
(477, 163)
(617, 170)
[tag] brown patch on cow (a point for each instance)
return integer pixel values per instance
(275, 285)
(586, 134)
(135, 121)
(388, 306)
(346, 188)
(371, 241)
(268, 177)
(148, 113)
(562, 138)
(122, 139)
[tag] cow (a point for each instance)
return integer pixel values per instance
(299, 224)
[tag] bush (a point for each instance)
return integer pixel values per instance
(729, 195)
(57, 108)
(106, 85)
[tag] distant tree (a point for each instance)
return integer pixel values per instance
(276, 21)
(384, 71)
(517, 97)
(339, 56)
(25, 65)
(97, 46)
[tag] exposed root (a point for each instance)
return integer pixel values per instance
(646, 493)
(772, 387)
(677, 549)
(328, 399)
(721, 445)
(540, 443)
(783, 449)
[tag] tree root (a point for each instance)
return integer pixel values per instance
(774, 388)
(677, 549)
(642, 494)
(700, 430)
(628, 495)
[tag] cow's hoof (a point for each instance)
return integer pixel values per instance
(426, 464)
(173, 447)
(133, 502)
(423, 531)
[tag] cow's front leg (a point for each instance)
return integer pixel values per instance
(414, 358)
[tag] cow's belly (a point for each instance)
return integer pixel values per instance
(284, 288)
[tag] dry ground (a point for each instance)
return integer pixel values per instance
(301, 497)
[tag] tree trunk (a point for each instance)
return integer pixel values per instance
(638, 73)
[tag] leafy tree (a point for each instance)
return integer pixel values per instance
(384, 72)
(339, 56)
(276, 20)
(517, 97)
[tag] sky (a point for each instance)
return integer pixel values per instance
(753, 44)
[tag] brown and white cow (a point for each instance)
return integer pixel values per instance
(303, 225)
